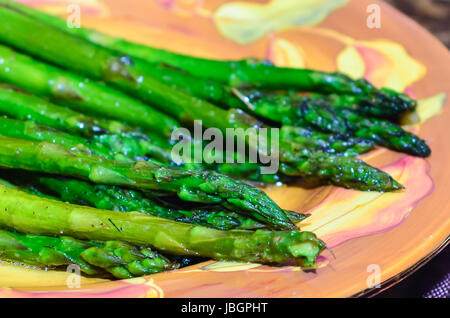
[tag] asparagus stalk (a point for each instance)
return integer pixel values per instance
(339, 170)
(126, 200)
(119, 141)
(375, 105)
(385, 133)
(27, 107)
(133, 146)
(27, 213)
(120, 259)
(335, 116)
(292, 109)
(194, 186)
(240, 73)
(80, 93)
(327, 143)
(43, 250)
(124, 260)
(31, 131)
(77, 54)
(52, 82)
(123, 147)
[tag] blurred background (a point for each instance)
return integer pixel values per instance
(432, 14)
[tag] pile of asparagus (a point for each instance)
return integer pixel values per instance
(89, 118)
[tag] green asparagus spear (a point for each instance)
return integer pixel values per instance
(27, 213)
(292, 109)
(374, 105)
(42, 250)
(123, 260)
(194, 186)
(87, 100)
(241, 73)
(123, 147)
(117, 199)
(80, 93)
(326, 142)
(27, 107)
(30, 131)
(74, 53)
(118, 144)
(339, 170)
(331, 114)
(385, 133)
(124, 142)
(133, 146)
(120, 259)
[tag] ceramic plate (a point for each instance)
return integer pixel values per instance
(377, 239)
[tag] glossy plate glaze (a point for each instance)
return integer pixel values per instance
(375, 237)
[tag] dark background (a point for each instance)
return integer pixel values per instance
(423, 280)
(432, 14)
(435, 16)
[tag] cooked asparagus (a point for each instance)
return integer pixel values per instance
(120, 259)
(27, 213)
(54, 45)
(194, 186)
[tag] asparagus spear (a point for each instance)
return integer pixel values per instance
(124, 142)
(134, 147)
(376, 105)
(289, 109)
(90, 97)
(292, 109)
(326, 142)
(348, 119)
(241, 73)
(74, 53)
(339, 170)
(385, 133)
(27, 213)
(120, 259)
(252, 72)
(27, 107)
(80, 93)
(125, 200)
(194, 186)
(124, 260)
(123, 147)
(43, 250)
(31, 131)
